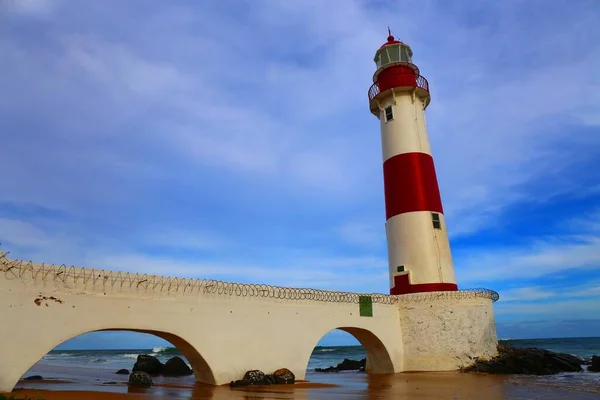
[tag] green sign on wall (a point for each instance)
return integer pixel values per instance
(365, 305)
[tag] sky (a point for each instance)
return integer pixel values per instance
(233, 140)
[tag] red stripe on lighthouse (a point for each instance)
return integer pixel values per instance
(402, 285)
(410, 184)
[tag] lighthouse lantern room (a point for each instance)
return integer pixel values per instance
(418, 248)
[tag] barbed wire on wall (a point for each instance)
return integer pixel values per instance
(18, 269)
(451, 295)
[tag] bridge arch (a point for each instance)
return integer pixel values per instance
(379, 359)
(36, 351)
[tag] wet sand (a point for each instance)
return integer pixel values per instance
(431, 385)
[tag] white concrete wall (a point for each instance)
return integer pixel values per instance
(225, 335)
(442, 331)
(407, 132)
(423, 250)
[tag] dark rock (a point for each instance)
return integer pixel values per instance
(254, 377)
(33, 378)
(176, 367)
(268, 380)
(109, 383)
(595, 364)
(240, 383)
(350, 365)
(328, 369)
(531, 361)
(284, 376)
(566, 363)
(140, 379)
(346, 365)
(148, 364)
(122, 371)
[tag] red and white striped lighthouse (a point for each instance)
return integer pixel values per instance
(418, 248)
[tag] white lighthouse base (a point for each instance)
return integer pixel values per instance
(445, 331)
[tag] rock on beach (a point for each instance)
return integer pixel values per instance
(257, 377)
(140, 379)
(151, 365)
(284, 376)
(595, 365)
(531, 361)
(176, 367)
(346, 365)
(148, 364)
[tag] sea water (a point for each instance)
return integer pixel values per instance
(322, 356)
(325, 356)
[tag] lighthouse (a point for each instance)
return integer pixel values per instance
(418, 248)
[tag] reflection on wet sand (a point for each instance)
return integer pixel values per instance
(431, 385)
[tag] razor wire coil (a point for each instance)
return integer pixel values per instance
(70, 275)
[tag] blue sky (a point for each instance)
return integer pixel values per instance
(234, 141)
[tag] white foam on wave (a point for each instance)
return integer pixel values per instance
(100, 361)
(129, 356)
(158, 349)
(59, 355)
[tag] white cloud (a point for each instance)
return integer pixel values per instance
(179, 239)
(59, 245)
(572, 309)
(526, 294)
(552, 293)
(22, 234)
(363, 233)
(276, 104)
(274, 120)
(37, 8)
(533, 260)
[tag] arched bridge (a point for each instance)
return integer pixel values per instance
(225, 329)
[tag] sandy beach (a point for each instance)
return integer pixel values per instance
(88, 385)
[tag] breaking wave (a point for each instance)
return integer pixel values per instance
(165, 350)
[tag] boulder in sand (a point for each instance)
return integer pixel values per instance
(595, 365)
(254, 377)
(122, 371)
(532, 361)
(346, 365)
(176, 367)
(284, 376)
(148, 364)
(140, 379)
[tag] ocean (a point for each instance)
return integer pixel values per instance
(322, 356)
(90, 364)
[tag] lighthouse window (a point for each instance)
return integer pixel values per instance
(405, 54)
(393, 53)
(389, 114)
(435, 218)
(385, 59)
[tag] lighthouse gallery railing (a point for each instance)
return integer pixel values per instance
(402, 80)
